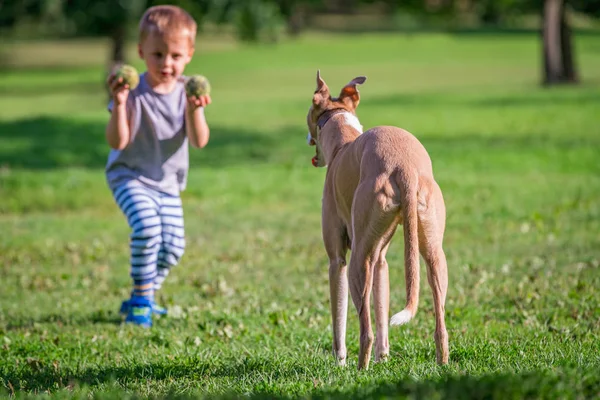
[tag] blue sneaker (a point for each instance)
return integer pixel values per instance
(140, 312)
(156, 309)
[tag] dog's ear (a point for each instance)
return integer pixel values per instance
(350, 93)
(321, 85)
(322, 91)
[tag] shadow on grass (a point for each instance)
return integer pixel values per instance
(534, 384)
(71, 88)
(51, 143)
(263, 375)
(101, 316)
(47, 143)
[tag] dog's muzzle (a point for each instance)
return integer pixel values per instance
(311, 142)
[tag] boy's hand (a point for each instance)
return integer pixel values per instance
(118, 90)
(197, 102)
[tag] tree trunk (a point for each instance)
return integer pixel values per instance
(118, 44)
(293, 12)
(295, 21)
(559, 66)
(341, 6)
(568, 54)
(118, 36)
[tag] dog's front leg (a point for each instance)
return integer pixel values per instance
(336, 245)
(338, 289)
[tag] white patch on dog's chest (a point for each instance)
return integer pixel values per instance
(352, 120)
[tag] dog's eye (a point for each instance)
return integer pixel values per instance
(309, 140)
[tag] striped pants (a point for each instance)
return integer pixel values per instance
(157, 239)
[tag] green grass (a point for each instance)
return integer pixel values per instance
(518, 164)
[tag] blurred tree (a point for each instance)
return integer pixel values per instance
(293, 12)
(558, 59)
(559, 65)
(257, 20)
(341, 6)
(589, 7)
(110, 17)
(13, 11)
(558, 52)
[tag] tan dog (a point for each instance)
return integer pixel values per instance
(375, 181)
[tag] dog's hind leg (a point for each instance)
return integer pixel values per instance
(371, 224)
(381, 300)
(336, 244)
(432, 220)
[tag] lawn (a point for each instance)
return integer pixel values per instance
(519, 166)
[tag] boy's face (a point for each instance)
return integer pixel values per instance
(165, 56)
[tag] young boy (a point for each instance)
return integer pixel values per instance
(148, 131)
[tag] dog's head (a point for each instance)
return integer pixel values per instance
(322, 102)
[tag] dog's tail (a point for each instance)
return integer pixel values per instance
(411, 259)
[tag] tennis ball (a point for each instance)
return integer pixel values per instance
(129, 74)
(197, 85)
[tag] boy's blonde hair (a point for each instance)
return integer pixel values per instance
(168, 20)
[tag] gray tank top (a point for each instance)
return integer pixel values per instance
(158, 153)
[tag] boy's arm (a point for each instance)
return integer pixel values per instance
(197, 129)
(117, 130)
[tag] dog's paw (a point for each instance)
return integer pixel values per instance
(382, 358)
(341, 362)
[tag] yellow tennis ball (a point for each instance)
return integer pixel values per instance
(129, 75)
(197, 85)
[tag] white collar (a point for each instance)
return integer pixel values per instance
(352, 120)
(349, 119)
